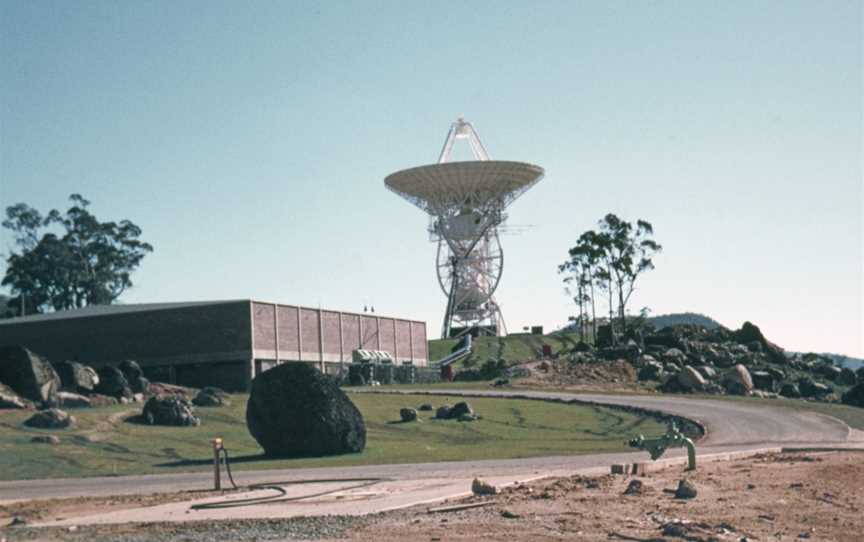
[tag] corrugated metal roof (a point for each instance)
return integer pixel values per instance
(110, 310)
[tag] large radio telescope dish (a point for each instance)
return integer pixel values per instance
(466, 203)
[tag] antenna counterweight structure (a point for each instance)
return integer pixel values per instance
(466, 203)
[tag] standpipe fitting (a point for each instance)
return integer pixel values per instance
(217, 448)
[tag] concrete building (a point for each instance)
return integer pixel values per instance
(220, 343)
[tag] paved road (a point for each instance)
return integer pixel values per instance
(732, 426)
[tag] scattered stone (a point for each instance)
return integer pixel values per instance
(690, 379)
(738, 381)
(507, 514)
(295, 410)
(479, 487)
(855, 396)
(17, 521)
(634, 487)
(10, 399)
(46, 439)
(53, 418)
(29, 376)
(501, 382)
(443, 412)
(76, 377)
(790, 390)
(169, 410)
(68, 399)
(99, 400)
(113, 383)
(686, 490)
(425, 407)
(847, 377)
(461, 408)
(408, 414)
(211, 397)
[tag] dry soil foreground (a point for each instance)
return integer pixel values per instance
(774, 497)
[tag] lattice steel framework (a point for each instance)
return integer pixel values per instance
(466, 203)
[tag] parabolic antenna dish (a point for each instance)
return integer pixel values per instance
(442, 189)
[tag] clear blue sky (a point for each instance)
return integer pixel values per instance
(250, 142)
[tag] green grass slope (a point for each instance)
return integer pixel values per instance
(512, 349)
(107, 443)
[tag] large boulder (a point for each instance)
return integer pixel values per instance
(294, 410)
(855, 396)
(169, 410)
(67, 399)
(750, 333)
(76, 377)
(790, 390)
(763, 380)
(134, 376)
(211, 397)
(690, 380)
(738, 381)
(113, 383)
(53, 418)
(9, 399)
(847, 377)
(28, 375)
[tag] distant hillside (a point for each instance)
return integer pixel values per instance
(691, 318)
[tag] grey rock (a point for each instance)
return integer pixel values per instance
(763, 380)
(710, 373)
(294, 410)
(408, 415)
(76, 377)
(9, 399)
(635, 487)
(46, 439)
(67, 399)
(30, 376)
(855, 396)
(113, 383)
(443, 412)
(690, 380)
(811, 389)
(171, 410)
(685, 490)
(53, 418)
(738, 381)
(211, 397)
(425, 407)
(790, 390)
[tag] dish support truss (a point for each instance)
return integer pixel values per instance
(470, 260)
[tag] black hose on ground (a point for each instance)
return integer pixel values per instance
(280, 490)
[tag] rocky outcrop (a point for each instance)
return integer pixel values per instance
(169, 410)
(76, 377)
(296, 411)
(53, 418)
(113, 383)
(690, 380)
(738, 381)
(211, 397)
(134, 376)
(67, 399)
(30, 376)
(855, 396)
(10, 400)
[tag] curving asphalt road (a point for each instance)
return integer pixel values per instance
(731, 427)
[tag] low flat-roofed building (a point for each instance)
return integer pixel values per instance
(218, 343)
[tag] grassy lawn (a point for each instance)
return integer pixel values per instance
(512, 348)
(509, 429)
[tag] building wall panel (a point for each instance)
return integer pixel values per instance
(309, 330)
(369, 331)
(289, 340)
(330, 326)
(350, 333)
(418, 332)
(388, 337)
(265, 320)
(403, 340)
(204, 333)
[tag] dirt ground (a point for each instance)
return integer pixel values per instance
(772, 497)
(614, 376)
(776, 497)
